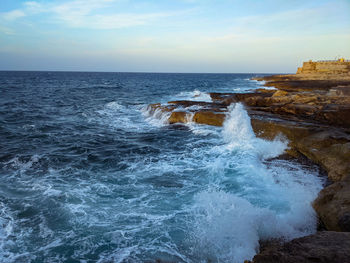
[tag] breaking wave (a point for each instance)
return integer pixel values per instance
(267, 199)
(195, 95)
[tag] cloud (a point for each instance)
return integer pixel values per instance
(302, 20)
(84, 14)
(6, 30)
(29, 8)
(13, 15)
(79, 7)
(120, 20)
(33, 6)
(91, 14)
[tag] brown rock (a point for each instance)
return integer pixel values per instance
(280, 93)
(154, 107)
(323, 145)
(270, 128)
(178, 117)
(336, 114)
(262, 90)
(220, 97)
(333, 206)
(323, 247)
(331, 152)
(209, 118)
(201, 117)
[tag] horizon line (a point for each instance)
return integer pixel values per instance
(142, 72)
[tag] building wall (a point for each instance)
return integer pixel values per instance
(325, 67)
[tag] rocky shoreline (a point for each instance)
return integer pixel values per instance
(313, 112)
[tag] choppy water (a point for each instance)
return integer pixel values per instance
(88, 175)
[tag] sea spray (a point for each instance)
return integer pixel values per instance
(156, 117)
(6, 230)
(266, 199)
(238, 134)
(195, 95)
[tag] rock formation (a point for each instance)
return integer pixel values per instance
(323, 247)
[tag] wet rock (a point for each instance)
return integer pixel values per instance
(157, 106)
(323, 247)
(219, 97)
(178, 117)
(209, 118)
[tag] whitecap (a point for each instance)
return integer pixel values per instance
(270, 200)
(239, 135)
(156, 117)
(195, 95)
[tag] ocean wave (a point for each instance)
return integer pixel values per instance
(195, 95)
(239, 135)
(230, 221)
(156, 117)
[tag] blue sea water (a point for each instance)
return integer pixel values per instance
(89, 174)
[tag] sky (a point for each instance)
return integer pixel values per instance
(218, 36)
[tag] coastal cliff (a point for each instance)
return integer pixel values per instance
(312, 110)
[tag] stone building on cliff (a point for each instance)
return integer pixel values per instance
(340, 66)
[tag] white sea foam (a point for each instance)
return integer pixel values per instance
(203, 130)
(50, 191)
(22, 165)
(272, 200)
(190, 108)
(117, 115)
(270, 88)
(239, 135)
(259, 82)
(6, 230)
(195, 95)
(156, 117)
(111, 109)
(114, 105)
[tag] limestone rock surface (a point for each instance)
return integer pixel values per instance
(333, 206)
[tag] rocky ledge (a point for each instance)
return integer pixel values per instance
(323, 247)
(313, 112)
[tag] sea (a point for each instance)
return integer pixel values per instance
(89, 174)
